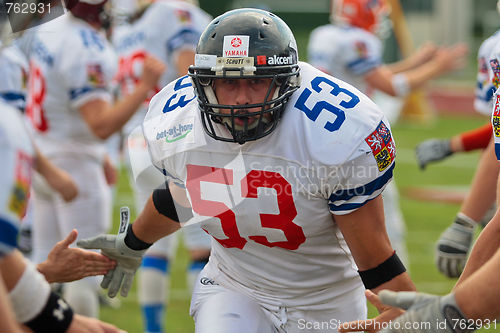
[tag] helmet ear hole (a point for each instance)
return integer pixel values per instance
(205, 81)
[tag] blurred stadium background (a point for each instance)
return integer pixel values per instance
(450, 100)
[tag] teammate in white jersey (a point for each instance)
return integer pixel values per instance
(14, 73)
(350, 50)
(169, 30)
(30, 300)
(478, 206)
(434, 150)
(14, 70)
(70, 108)
(283, 166)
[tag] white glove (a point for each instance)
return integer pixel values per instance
(425, 313)
(114, 247)
(453, 246)
(432, 150)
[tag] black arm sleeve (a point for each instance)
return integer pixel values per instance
(165, 205)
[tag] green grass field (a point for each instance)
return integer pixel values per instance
(425, 221)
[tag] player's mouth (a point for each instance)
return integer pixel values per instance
(241, 121)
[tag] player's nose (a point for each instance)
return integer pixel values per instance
(243, 94)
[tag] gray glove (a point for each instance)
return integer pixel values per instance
(426, 313)
(432, 150)
(453, 246)
(114, 247)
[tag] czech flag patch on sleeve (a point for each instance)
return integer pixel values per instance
(95, 75)
(382, 145)
(495, 120)
(19, 193)
(495, 67)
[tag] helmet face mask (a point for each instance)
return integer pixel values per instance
(248, 44)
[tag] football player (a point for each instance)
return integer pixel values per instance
(168, 30)
(472, 304)
(71, 112)
(30, 301)
(14, 71)
(434, 150)
(478, 206)
(14, 68)
(351, 50)
(283, 166)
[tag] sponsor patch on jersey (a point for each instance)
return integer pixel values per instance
(182, 130)
(382, 146)
(18, 199)
(495, 120)
(495, 67)
(184, 16)
(361, 49)
(95, 75)
(235, 46)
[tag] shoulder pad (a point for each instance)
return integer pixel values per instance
(172, 123)
(336, 117)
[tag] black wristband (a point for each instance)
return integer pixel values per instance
(133, 242)
(55, 317)
(384, 272)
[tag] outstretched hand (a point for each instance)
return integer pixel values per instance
(127, 260)
(82, 324)
(451, 58)
(387, 313)
(65, 264)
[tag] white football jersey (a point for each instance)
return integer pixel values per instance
(70, 65)
(345, 52)
(14, 74)
(483, 102)
(165, 28)
(16, 152)
(268, 204)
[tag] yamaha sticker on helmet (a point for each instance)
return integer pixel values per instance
(236, 46)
